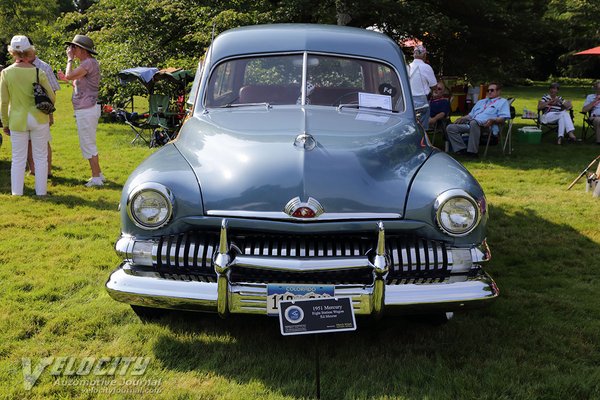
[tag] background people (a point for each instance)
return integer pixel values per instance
(554, 109)
(489, 112)
(592, 104)
(439, 106)
(21, 119)
(86, 78)
(43, 66)
(422, 80)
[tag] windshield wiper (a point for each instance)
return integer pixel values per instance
(232, 105)
(359, 107)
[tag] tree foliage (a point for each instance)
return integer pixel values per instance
(495, 39)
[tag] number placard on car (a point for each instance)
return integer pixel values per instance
(285, 292)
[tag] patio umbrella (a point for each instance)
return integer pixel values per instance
(594, 51)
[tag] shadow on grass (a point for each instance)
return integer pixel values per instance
(539, 337)
(72, 201)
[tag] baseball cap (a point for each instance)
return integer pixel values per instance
(20, 43)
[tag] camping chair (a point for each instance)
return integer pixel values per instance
(509, 125)
(439, 127)
(553, 127)
(587, 124)
(155, 126)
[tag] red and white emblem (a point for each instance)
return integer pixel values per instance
(298, 209)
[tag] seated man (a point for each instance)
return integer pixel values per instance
(487, 113)
(592, 105)
(555, 109)
(439, 106)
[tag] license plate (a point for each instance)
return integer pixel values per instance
(282, 292)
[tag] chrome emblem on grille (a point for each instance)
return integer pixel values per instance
(298, 209)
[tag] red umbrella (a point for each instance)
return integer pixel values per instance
(594, 51)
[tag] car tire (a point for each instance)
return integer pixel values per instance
(147, 314)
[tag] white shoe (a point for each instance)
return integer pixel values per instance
(102, 177)
(94, 181)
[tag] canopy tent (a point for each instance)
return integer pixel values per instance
(148, 76)
(593, 51)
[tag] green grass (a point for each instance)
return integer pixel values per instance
(540, 340)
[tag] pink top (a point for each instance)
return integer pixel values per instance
(85, 94)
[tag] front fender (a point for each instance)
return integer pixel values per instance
(167, 167)
(437, 175)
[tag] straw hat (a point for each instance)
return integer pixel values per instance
(84, 42)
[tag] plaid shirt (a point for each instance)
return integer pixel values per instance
(49, 73)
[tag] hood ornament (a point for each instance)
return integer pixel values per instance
(305, 141)
(298, 209)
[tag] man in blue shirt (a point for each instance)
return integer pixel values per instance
(487, 113)
(592, 105)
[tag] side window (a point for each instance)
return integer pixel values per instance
(224, 81)
(194, 91)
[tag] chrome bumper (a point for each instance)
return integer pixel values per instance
(148, 289)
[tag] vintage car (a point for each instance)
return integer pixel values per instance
(302, 173)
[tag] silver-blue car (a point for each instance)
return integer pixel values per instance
(302, 173)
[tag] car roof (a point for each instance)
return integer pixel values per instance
(310, 37)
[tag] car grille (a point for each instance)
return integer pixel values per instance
(189, 257)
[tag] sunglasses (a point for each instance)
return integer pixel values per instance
(491, 90)
(437, 88)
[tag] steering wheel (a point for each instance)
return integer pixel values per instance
(338, 101)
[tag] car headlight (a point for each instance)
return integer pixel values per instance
(150, 205)
(456, 212)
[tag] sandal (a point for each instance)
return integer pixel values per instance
(559, 141)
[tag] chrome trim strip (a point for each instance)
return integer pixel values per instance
(280, 215)
(301, 264)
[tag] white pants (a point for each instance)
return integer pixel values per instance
(565, 123)
(39, 134)
(87, 123)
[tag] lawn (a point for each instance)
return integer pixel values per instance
(540, 340)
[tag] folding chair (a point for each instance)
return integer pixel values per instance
(156, 121)
(439, 127)
(549, 127)
(587, 124)
(509, 125)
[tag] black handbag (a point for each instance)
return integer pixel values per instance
(42, 101)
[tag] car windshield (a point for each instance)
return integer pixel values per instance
(330, 81)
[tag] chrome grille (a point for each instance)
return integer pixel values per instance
(411, 257)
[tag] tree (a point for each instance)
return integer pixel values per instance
(24, 17)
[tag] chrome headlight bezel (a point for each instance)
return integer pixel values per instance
(164, 194)
(446, 199)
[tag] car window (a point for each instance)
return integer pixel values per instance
(276, 80)
(194, 90)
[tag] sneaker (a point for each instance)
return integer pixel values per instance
(102, 177)
(94, 181)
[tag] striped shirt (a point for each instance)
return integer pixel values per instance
(555, 107)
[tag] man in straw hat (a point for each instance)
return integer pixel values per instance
(86, 79)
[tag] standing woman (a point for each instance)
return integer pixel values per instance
(86, 78)
(21, 119)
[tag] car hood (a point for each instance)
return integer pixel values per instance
(250, 160)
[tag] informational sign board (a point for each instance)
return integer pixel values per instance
(319, 315)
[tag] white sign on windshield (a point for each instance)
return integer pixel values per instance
(374, 101)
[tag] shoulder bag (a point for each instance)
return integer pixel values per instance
(42, 101)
